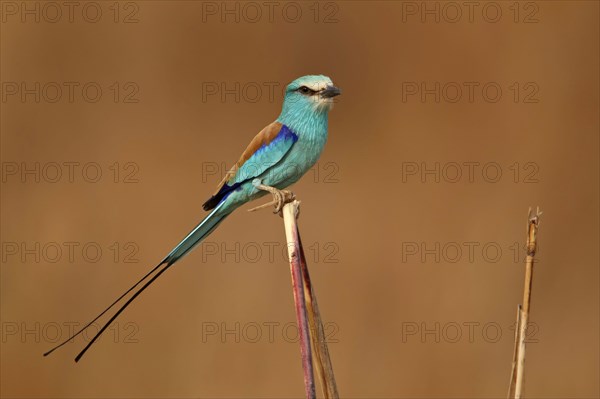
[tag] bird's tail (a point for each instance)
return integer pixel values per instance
(201, 231)
(204, 228)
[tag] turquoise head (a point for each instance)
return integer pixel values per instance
(308, 101)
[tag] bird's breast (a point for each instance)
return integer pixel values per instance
(306, 152)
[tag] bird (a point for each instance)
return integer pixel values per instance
(278, 156)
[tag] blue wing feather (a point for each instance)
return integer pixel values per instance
(260, 162)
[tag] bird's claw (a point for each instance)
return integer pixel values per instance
(280, 198)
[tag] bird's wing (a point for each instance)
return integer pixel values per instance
(266, 149)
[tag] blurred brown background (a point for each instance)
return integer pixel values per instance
(418, 279)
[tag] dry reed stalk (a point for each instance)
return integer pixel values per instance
(310, 325)
(290, 212)
(516, 383)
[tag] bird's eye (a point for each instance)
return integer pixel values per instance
(305, 90)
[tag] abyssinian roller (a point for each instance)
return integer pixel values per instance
(278, 156)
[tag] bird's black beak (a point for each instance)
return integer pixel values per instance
(330, 91)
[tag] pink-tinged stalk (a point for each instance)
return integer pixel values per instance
(294, 254)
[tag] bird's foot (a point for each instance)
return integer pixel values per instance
(280, 197)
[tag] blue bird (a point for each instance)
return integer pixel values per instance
(278, 156)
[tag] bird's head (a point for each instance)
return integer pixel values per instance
(313, 93)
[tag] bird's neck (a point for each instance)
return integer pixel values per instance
(305, 122)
